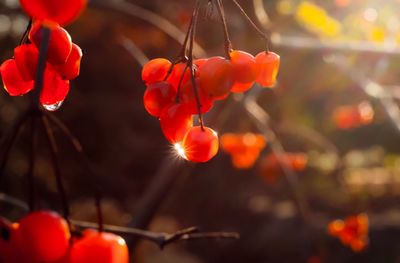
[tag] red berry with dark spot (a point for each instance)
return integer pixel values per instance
(175, 121)
(60, 44)
(155, 70)
(27, 56)
(8, 246)
(12, 79)
(268, 65)
(158, 96)
(100, 248)
(200, 144)
(72, 66)
(43, 237)
(216, 77)
(61, 12)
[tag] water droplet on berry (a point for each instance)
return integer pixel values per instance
(53, 107)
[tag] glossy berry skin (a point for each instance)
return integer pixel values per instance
(245, 70)
(43, 237)
(158, 96)
(60, 44)
(13, 82)
(61, 12)
(55, 89)
(268, 65)
(100, 248)
(71, 69)
(175, 121)
(188, 97)
(155, 70)
(176, 75)
(26, 56)
(216, 77)
(200, 145)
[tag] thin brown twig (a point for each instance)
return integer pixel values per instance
(161, 239)
(228, 43)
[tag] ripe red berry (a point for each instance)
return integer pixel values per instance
(175, 121)
(200, 62)
(176, 75)
(72, 66)
(26, 56)
(43, 237)
(155, 70)
(200, 145)
(158, 96)
(54, 91)
(100, 248)
(268, 64)
(60, 44)
(61, 12)
(188, 97)
(216, 77)
(13, 82)
(8, 248)
(245, 70)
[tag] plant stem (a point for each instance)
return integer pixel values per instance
(228, 43)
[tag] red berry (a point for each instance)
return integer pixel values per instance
(188, 97)
(200, 145)
(13, 82)
(216, 77)
(100, 248)
(200, 62)
(54, 90)
(245, 70)
(175, 121)
(60, 44)
(176, 75)
(72, 66)
(43, 237)
(8, 248)
(61, 12)
(155, 70)
(158, 96)
(268, 64)
(26, 56)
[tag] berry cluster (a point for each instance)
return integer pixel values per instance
(174, 94)
(45, 237)
(271, 168)
(243, 148)
(352, 232)
(63, 57)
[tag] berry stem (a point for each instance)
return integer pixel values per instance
(190, 63)
(178, 92)
(31, 169)
(251, 22)
(228, 43)
(44, 45)
(56, 168)
(24, 38)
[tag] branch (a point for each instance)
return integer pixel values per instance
(160, 239)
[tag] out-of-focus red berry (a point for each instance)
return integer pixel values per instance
(100, 248)
(188, 97)
(155, 70)
(216, 77)
(60, 44)
(175, 121)
(55, 89)
(158, 96)
(61, 12)
(43, 237)
(26, 56)
(268, 66)
(200, 145)
(8, 246)
(71, 68)
(245, 70)
(13, 82)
